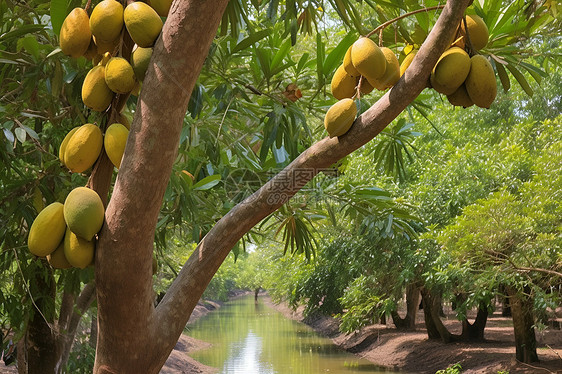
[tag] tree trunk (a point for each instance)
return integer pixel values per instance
(523, 321)
(412, 302)
(39, 354)
(475, 331)
(432, 331)
(133, 336)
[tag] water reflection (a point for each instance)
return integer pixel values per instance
(252, 338)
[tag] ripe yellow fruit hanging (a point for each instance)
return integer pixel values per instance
(114, 142)
(343, 85)
(119, 75)
(140, 58)
(57, 259)
(460, 97)
(143, 23)
(84, 212)
(391, 74)
(481, 82)
(340, 117)
(162, 7)
(106, 21)
(407, 61)
(75, 34)
(83, 148)
(450, 71)
(62, 148)
(96, 95)
(348, 65)
(77, 251)
(477, 31)
(47, 230)
(368, 59)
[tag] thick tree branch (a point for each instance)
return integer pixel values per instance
(215, 246)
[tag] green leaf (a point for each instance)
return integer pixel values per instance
(20, 134)
(280, 55)
(335, 57)
(250, 40)
(207, 182)
(21, 30)
(520, 79)
(58, 10)
(504, 79)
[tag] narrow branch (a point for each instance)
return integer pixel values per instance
(215, 246)
(389, 22)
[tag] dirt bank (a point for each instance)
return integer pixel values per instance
(412, 352)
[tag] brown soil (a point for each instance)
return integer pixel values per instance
(412, 352)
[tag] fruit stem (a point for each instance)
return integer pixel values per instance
(381, 27)
(87, 7)
(468, 42)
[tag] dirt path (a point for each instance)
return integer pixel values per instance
(412, 352)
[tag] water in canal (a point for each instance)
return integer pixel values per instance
(253, 338)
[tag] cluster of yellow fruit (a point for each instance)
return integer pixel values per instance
(65, 233)
(466, 80)
(367, 66)
(82, 145)
(97, 38)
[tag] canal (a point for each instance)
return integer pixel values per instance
(252, 338)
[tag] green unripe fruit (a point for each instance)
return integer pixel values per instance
(83, 148)
(114, 142)
(143, 23)
(84, 212)
(75, 34)
(77, 251)
(47, 230)
(340, 117)
(106, 21)
(119, 75)
(96, 95)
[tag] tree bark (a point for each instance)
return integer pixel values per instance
(523, 321)
(475, 331)
(412, 302)
(134, 337)
(431, 328)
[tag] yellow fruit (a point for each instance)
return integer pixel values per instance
(83, 212)
(75, 33)
(119, 75)
(340, 117)
(143, 23)
(407, 61)
(348, 65)
(114, 142)
(481, 82)
(343, 85)
(450, 71)
(92, 50)
(105, 47)
(140, 58)
(367, 58)
(124, 121)
(47, 230)
(104, 60)
(83, 148)
(460, 97)
(95, 93)
(106, 21)
(162, 7)
(62, 148)
(77, 251)
(477, 31)
(57, 259)
(391, 74)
